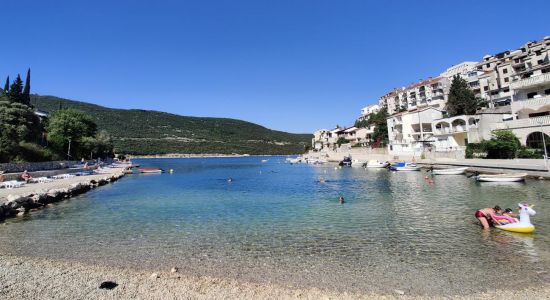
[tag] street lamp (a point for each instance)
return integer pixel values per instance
(544, 146)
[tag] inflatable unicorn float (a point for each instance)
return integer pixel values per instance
(524, 225)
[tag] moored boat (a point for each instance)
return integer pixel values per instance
(377, 164)
(450, 171)
(512, 177)
(346, 162)
(403, 166)
(150, 170)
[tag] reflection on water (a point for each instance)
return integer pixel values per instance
(277, 223)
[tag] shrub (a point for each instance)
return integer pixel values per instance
(503, 144)
(525, 152)
(34, 153)
(476, 150)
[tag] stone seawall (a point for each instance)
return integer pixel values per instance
(21, 203)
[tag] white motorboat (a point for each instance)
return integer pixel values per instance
(450, 171)
(294, 160)
(377, 164)
(357, 163)
(512, 177)
(403, 166)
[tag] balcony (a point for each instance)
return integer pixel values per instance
(529, 122)
(531, 82)
(534, 104)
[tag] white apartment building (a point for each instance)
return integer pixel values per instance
(454, 133)
(410, 131)
(432, 92)
(368, 110)
(462, 69)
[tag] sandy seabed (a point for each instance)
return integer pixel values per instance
(32, 278)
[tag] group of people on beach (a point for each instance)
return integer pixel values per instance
(491, 216)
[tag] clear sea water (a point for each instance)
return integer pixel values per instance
(276, 223)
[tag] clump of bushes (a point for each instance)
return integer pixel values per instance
(503, 145)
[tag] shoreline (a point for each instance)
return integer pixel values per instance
(19, 201)
(175, 155)
(71, 279)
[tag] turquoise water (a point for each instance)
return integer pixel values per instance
(275, 223)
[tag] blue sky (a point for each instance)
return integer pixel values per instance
(287, 65)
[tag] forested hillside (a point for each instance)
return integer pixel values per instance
(137, 131)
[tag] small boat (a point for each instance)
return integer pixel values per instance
(512, 177)
(150, 170)
(403, 166)
(358, 163)
(346, 162)
(294, 160)
(377, 164)
(524, 225)
(450, 171)
(264, 161)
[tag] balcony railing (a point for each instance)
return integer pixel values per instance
(530, 82)
(533, 104)
(529, 122)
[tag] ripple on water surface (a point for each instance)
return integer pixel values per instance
(276, 223)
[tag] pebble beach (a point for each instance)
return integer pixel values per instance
(25, 278)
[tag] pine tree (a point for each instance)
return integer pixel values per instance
(26, 97)
(16, 90)
(7, 85)
(462, 100)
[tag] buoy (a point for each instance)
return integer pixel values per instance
(171, 171)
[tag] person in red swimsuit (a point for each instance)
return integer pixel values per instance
(485, 216)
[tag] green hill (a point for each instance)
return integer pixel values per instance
(136, 131)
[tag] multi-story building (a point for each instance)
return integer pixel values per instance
(530, 93)
(409, 131)
(432, 92)
(515, 84)
(462, 69)
(368, 110)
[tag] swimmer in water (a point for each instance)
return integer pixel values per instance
(229, 179)
(341, 200)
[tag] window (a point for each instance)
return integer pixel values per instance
(505, 71)
(531, 95)
(488, 65)
(506, 90)
(485, 88)
(507, 79)
(547, 92)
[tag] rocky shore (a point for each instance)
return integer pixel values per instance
(19, 201)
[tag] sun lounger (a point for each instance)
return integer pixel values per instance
(63, 176)
(13, 184)
(41, 180)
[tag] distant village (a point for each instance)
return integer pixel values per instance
(515, 84)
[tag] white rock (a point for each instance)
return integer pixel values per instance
(154, 276)
(174, 270)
